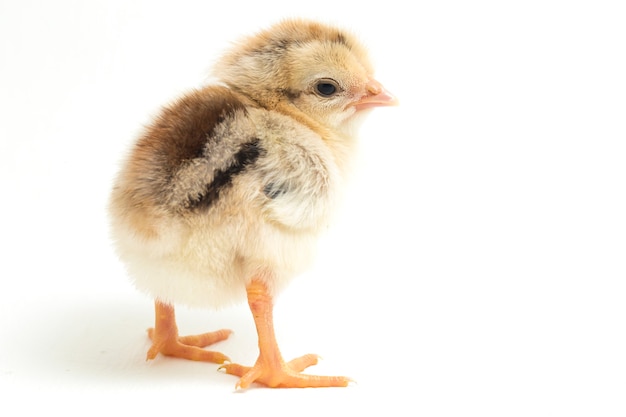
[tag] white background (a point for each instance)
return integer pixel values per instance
(478, 267)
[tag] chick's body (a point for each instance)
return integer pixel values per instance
(223, 196)
(246, 199)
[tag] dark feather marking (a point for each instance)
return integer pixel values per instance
(178, 134)
(247, 155)
(276, 47)
(342, 40)
(185, 126)
(272, 190)
(289, 93)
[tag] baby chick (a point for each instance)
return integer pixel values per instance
(224, 194)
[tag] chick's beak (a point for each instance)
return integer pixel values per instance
(376, 96)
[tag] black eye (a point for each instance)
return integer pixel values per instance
(326, 88)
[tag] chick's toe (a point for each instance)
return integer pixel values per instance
(165, 339)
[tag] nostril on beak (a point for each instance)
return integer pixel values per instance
(374, 87)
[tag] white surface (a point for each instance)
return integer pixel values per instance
(479, 267)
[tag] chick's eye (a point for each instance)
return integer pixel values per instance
(326, 88)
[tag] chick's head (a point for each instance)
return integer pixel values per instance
(319, 70)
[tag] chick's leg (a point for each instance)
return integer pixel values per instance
(165, 339)
(270, 369)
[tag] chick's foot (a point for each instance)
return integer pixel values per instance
(270, 369)
(165, 339)
(283, 375)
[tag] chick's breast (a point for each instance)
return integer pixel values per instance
(217, 191)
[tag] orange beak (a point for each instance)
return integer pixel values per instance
(376, 96)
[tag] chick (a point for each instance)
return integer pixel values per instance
(225, 193)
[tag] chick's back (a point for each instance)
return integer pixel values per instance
(217, 190)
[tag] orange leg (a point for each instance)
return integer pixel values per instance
(270, 369)
(165, 339)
